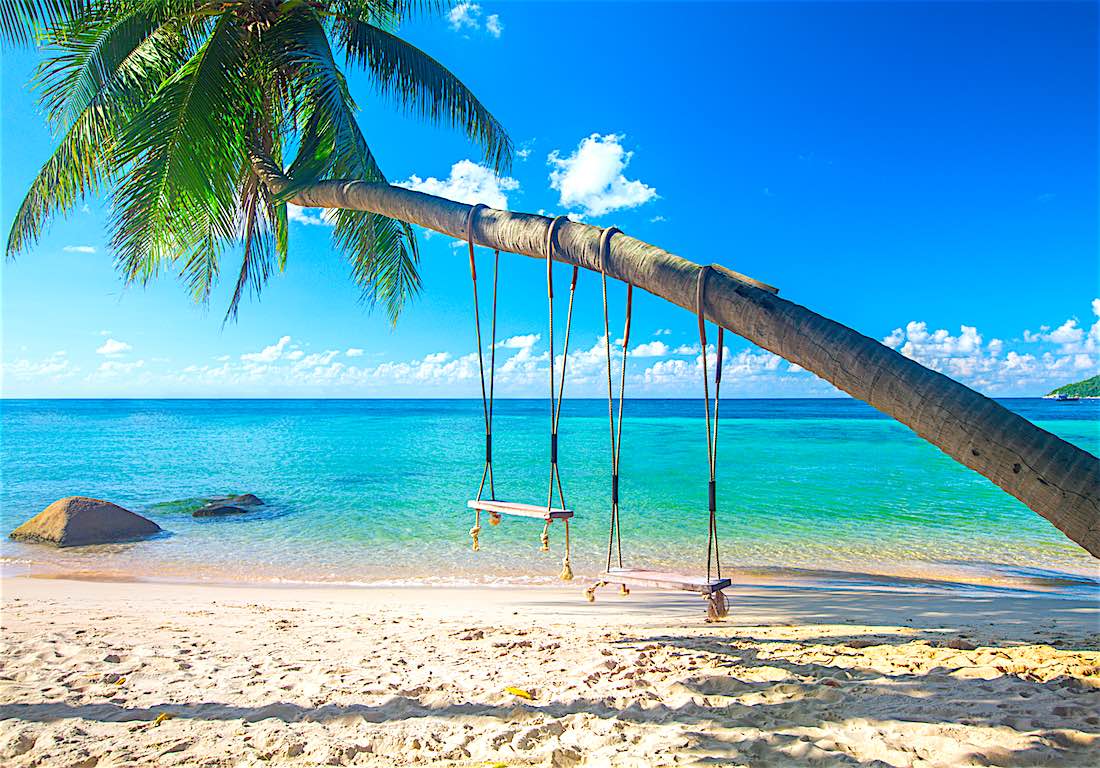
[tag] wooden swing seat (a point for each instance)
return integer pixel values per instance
(520, 510)
(643, 577)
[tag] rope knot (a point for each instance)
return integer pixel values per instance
(566, 570)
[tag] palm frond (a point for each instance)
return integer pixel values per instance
(23, 21)
(184, 149)
(423, 86)
(133, 57)
(382, 252)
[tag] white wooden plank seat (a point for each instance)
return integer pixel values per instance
(521, 510)
(643, 577)
(710, 589)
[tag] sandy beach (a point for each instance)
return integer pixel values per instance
(104, 673)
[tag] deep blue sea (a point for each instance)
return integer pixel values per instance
(375, 490)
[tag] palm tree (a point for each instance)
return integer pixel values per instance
(158, 101)
(200, 101)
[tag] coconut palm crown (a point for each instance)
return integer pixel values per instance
(161, 102)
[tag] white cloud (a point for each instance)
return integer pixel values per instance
(464, 15)
(650, 349)
(118, 368)
(55, 367)
(990, 367)
(657, 219)
(1070, 336)
(523, 152)
(312, 217)
(468, 183)
(592, 177)
(525, 341)
(112, 347)
(663, 332)
(79, 249)
(354, 352)
(268, 354)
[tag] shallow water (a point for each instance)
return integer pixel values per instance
(376, 490)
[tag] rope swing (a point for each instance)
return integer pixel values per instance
(712, 433)
(711, 587)
(614, 539)
(556, 397)
(548, 513)
(486, 399)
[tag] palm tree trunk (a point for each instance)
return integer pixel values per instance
(1054, 478)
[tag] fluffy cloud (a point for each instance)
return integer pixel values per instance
(1070, 351)
(1054, 355)
(110, 368)
(591, 177)
(650, 349)
(112, 347)
(79, 249)
(53, 368)
(464, 15)
(467, 16)
(267, 354)
(311, 217)
(519, 342)
(468, 183)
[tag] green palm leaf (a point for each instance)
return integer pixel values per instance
(185, 151)
(423, 86)
(161, 102)
(23, 21)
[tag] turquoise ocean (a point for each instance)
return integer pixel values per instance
(375, 491)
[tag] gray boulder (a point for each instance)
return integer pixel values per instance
(243, 500)
(78, 520)
(218, 509)
(219, 506)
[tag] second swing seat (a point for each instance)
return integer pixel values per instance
(642, 577)
(539, 511)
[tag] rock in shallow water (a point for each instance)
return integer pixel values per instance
(221, 506)
(78, 520)
(218, 509)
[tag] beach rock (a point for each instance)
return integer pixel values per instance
(243, 500)
(218, 509)
(220, 506)
(78, 520)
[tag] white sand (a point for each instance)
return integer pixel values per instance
(385, 677)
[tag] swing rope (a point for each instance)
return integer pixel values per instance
(556, 392)
(486, 398)
(614, 537)
(712, 434)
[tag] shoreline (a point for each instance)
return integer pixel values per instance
(935, 578)
(127, 673)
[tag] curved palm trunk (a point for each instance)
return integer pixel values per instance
(1057, 480)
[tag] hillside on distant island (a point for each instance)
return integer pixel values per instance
(1087, 388)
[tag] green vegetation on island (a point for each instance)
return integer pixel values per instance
(1088, 388)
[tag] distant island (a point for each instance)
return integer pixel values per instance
(1087, 388)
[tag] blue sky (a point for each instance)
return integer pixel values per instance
(923, 172)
